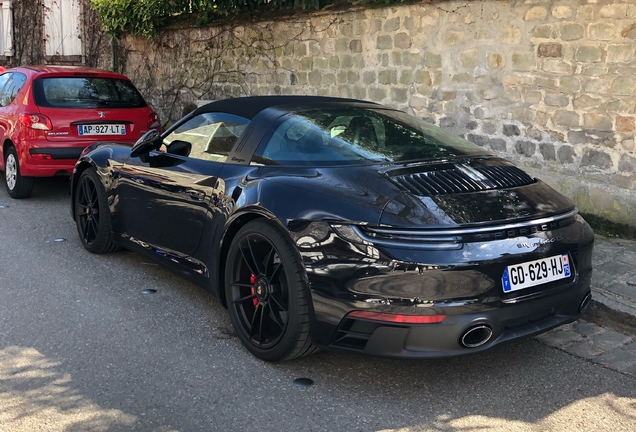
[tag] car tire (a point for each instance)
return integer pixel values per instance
(267, 293)
(18, 186)
(92, 216)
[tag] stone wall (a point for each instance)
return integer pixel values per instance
(547, 83)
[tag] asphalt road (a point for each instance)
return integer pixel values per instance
(82, 348)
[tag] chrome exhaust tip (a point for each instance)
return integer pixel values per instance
(585, 302)
(475, 336)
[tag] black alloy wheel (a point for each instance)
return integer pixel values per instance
(267, 293)
(92, 216)
(18, 186)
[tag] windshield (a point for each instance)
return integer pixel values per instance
(353, 135)
(83, 92)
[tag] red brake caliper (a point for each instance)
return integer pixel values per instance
(253, 282)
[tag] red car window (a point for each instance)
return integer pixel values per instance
(83, 92)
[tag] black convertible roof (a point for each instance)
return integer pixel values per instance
(249, 107)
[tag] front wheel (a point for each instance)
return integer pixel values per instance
(92, 215)
(267, 294)
(18, 186)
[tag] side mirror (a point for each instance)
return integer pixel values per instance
(150, 141)
(180, 148)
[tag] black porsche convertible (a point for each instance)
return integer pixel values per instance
(341, 224)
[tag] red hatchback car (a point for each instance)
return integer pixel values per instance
(49, 114)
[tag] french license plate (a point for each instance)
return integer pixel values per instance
(532, 273)
(102, 129)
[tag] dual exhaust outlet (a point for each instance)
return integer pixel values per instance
(479, 334)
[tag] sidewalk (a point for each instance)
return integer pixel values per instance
(614, 284)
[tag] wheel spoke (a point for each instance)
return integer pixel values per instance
(247, 257)
(258, 264)
(242, 285)
(86, 191)
(260, 327)
(95, 227)
(269, 261)
(85, 230)
(277, 318)
(258, 307)
(242, 299)
(275, 273)
(278, 303)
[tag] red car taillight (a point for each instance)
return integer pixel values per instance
(397, 318)
(36, 121)
(153, 120)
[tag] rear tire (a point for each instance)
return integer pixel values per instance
(267, 293)
(92, 216)
(18, 186)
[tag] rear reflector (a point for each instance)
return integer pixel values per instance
(395, 318)
(153, 121)
(42, 156)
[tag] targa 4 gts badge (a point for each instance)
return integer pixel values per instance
(540, 242)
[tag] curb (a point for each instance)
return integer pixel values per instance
(605, 316)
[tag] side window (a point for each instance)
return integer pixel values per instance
(211, 135)
(11, 88)
(3, 82)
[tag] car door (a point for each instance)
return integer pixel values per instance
(166, 197)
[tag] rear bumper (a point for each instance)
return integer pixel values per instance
(508, 322)
(63, 157)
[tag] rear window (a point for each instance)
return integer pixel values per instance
(86, 92)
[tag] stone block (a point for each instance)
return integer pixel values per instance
(586, 102)
(585, 13)
(430, 17)
(524, 61)
(597, 85)
(406, 77)
(601, 31)
(472, 125)
(546, 83)
(566, 154)
(511, 130)
(418, 102)
(595, 70)
(547, 151)
(569, 85)
(307, 63)
(556, 99)
(422, 76)
(392, 24)
(469, 58)
(355, 46)
(412, 59)
(536, 13)
(625, 124)
(489, 127)
(618, 11)
(461, 78)
(328, 79)
(498, 145)
(334, 62)
(628, 144)
(342, 45)
(402, 40)
(399, 95)
(377, 94)
(512, 94)
(597, 122)
(346, 61)
(359, 61)
(588, 53)
(353, 77)
(542, 31)
(452, 37)
(300, 50)
(572, 31)
(432, 60)
(315, 78)
(480, 140)
(624, 86)
(556, 66)
(627, 164)
(550, 50)
(510, 35)
(447, 122)
(533, 96)
(525, 148)
(566, 118)
(596, 159)
(562, 12)
(368, 77)
(383, 42)
(622, 53)
(495, 61)
(523, 114)
(396, 58)
(387, 76)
